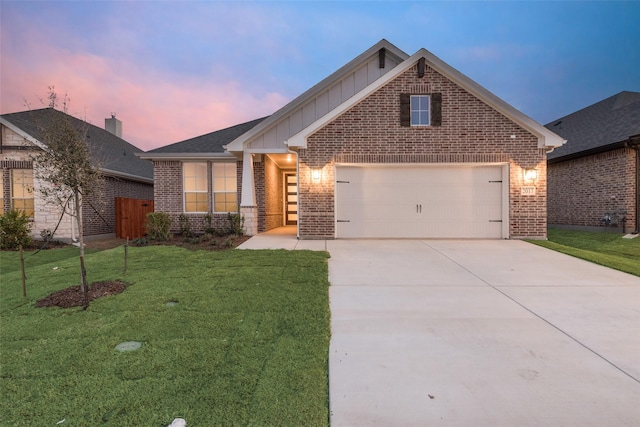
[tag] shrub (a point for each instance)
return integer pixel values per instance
(158, 225)
(46, 235)
(140, 241)
(185, 225)
(15, 230)
(236, 224)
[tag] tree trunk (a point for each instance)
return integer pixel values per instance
(24, 276)
(83, 272)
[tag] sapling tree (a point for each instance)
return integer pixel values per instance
(67, 168)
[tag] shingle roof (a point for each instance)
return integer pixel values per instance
(114, 154)
(605, 123)
(213, 142)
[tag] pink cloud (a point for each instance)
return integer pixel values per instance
(155, 109)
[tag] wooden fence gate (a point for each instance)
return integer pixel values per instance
(131, 214)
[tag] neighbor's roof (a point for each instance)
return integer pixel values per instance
(599, 127)
(205, 145)
(117, 157)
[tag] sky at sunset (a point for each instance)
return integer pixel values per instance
(174, 70)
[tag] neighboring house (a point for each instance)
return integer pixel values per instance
(594, 178)
(125, 174)
(390, 145)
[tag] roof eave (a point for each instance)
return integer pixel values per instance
(127, 176)
(22, 133)
(184, 156)
(626, 143)
(546, 138)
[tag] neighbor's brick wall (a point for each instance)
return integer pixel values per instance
(47, 215)
(582, 190)
(471, 131)
(100, 216)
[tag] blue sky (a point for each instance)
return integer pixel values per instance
(174, 70)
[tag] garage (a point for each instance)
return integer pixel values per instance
(417, 201)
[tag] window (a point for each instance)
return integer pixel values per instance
(195, 187)
(22, 190)
(225, 187)
(420, 110)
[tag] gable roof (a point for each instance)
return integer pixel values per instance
(546, 138)
(117, 157)
(602, 126)
(208, 145)
(390, 50)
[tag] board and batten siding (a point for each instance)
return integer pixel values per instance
(320, 105)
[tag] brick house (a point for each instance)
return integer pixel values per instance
(125, 174)
(390, 145)
(594, 178)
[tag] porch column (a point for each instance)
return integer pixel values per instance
(248, 207)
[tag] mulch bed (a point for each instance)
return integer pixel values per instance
(72, 297)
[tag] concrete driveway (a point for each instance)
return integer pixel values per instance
(480, 333)
(476, 333)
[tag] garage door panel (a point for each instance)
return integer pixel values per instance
(417, 201)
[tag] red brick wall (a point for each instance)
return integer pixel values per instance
(582, 190)
(168, 196)
(471, 131)
(100, 217)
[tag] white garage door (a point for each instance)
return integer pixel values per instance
(419, 201)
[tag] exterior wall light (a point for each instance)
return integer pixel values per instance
(530, 176)
(315, 175)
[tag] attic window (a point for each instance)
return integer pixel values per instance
(420, 110)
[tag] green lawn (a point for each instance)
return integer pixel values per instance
(608, 249)
(247, 343)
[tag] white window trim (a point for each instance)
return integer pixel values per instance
(184, 191)
(411, 111)
(214, 192)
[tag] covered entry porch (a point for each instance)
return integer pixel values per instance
(269, 197)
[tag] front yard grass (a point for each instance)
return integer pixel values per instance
(246, 344)
(604, 248)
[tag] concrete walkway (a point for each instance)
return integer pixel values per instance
(479, 333)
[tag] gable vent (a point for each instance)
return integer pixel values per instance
(420, 89)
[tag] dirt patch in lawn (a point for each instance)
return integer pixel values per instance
(72, 296)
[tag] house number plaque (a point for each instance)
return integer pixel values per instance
(528, 191)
